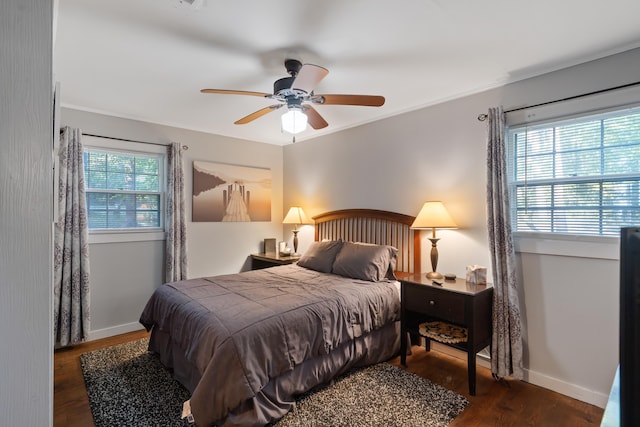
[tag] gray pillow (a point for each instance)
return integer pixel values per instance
(320, 255)
(365, 261)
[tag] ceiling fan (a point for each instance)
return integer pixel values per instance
(296, 93)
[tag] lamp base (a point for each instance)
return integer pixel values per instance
(434, 275)
(295, 242)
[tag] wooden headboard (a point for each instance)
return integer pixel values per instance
(373, 226)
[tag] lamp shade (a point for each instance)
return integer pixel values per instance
(294, 121)
(434, 215)
(295, 216)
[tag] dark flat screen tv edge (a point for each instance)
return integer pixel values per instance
(630, 326)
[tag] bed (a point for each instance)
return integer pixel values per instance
(246, 344)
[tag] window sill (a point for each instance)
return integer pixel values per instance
(99, 237)
(598, 247)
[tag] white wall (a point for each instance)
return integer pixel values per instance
(123, 275)
(569, 303)
(26, 117)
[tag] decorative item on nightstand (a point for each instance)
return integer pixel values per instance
(284, 250)
(269, 246)
(297, 217)
(476, 275)
(433, 215)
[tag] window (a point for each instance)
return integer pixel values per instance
(579, 176)
(124, 189)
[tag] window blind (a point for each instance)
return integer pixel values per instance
(123, 189)
(576, 176)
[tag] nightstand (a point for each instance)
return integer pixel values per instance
(456, 303)
(267, 260)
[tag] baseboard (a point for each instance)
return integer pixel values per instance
(574, 391)
(114, 330)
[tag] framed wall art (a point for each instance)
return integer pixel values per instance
(230, 193)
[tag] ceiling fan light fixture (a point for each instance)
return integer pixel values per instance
(294, 121)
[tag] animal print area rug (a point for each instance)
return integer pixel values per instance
(128, 386)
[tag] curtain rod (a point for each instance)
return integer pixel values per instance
(483, 117)
(184, 147)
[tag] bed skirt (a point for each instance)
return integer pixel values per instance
(278, 396)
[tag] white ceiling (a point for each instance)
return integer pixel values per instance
(148, 59)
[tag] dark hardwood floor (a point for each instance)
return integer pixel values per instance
(70, 401)
(506, 403)
(500, 403)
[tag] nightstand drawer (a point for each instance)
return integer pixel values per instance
(448, 306)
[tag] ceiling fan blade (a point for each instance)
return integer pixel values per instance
(363, 100)
(257, 114)
(314, 118)
(235, 92)
(308, 77)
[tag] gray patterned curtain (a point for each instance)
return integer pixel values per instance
(176, 251)
(71, 246)
(506, 347)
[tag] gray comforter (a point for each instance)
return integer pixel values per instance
(240, 331)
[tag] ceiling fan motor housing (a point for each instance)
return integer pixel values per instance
(283, 86)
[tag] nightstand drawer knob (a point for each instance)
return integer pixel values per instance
(432, 302)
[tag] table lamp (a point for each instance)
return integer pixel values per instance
(297, 217)
(433, 215)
